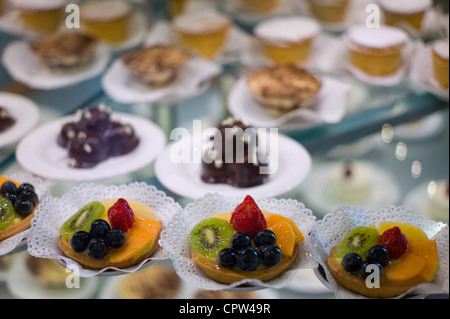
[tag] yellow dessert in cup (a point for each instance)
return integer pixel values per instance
(330, 11)
(408, 13)
(204, 32)
(440, 54)
(43, 16)
(287, 40)
(176, 7)
(377, 51)
(259, 6)
(107, 20)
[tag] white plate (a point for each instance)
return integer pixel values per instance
(24, 66)
(294, 164)
(306, 281)
(329, 108)
(385, 190)
(39, 152)
(422, 72)
(22, 284)
(421, 130)
(18, 106)
(121, 87)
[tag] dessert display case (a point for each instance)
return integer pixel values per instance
(364, 139)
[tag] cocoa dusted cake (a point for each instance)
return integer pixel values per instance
(240, 169)
(6, 119)
(94, 137)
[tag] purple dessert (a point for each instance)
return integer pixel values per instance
(6, 120)
(88, 149)
(122, 139)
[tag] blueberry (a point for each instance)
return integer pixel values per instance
(26, 186)
(366, 272)
(351, 262)
(27, 195)
(115, 238)
(99, 228)
(240, 241)
(227, 258)
(80, 241)
(270, 255)
(8, 188)
(23, 208)
(12, 198)
(97, 248)
(264, 237)
(377, 255)
(248, 259)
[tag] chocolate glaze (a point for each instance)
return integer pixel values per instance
(242, 168)
(6, 120)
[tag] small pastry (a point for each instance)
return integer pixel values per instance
(401, 13)
(243, 169)
(438, 201)
(284, 87)
(376, 51)
(6, 119)
(155, 282)
(65, 50)
(157, 65)
(47, 272)
(116, 232)
(330, 11)
(40, 15)
(247, 243)
(397, 256)
(18, 203)
(204, 32)
(107, 20)
(287, 40)
(440, 54)
(258, 6)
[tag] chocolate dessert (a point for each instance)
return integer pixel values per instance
(237, 161)
(6, 120)
(94, 137)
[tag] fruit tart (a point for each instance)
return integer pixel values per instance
(116, 232)
(385, 260)
(18, 203)
(247, 243)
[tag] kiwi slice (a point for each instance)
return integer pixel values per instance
(82, 220)
(210, 236)
(7, 213)
(358, 241)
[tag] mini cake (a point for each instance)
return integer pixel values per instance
(243, 168)
(204, 32)
(284, 87)
(154, 282)
(65, 50)
(157, 65)
(18, 202)
(247, 243)
(116, 232)
(397, 256)
(376, 51)
(6, 119)
(438, 201)
(351, 181)
(440, 54)
(94, 137)
(107, 20)
(330, 11)
(258, 6)
(287, 40)
(409, 13)
(40, 15)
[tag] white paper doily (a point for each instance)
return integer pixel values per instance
(24, 66)
(329, 231)
(53, 212)
(175, 239)
(42, 189)
(121, 87)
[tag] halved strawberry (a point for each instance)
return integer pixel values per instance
(121, 215)
(248, 218)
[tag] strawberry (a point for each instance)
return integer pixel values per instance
(394, 241)
(248, 218)
(121, 215)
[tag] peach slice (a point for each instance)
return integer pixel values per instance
(4, 179)
(406, 268)
(428, 250)
(286, 238)
(273, 219)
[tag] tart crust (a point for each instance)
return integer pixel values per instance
(21, 226)
(356, 284)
